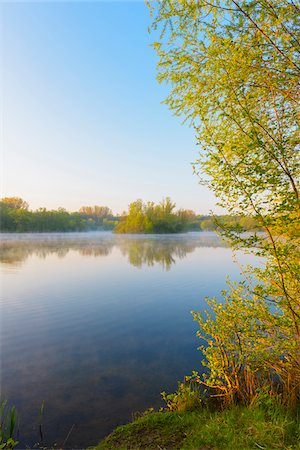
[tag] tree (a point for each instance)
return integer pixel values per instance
(14, 214)
(151, 218)
(234, 69)
(14, 202)
(96, 213)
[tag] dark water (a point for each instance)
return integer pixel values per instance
(97, 325)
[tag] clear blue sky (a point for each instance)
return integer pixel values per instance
(82, 114)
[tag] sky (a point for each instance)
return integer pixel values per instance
(82, 116)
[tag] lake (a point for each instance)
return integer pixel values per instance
(96, 325)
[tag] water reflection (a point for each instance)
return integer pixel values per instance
(139, 250)
(91, 336)
(153, 251)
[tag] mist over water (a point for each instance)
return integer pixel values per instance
(97, 325)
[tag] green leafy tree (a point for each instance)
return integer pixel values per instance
(96, 213)
(14, 202)
(14, 214)
(152, 218)
(234, 70)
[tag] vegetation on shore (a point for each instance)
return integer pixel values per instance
(8, 426)
(152, 218)
(147, 218)
(234, 69)
(15, 216)
(163, 218)
(235, 429)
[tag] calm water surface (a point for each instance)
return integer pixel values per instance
(97, 325)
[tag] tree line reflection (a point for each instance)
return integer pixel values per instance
(139, 250)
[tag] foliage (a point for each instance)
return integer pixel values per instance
(8, 424)
(238, 224)
(246, 348)
(154, 218)
(234, 68)
(236, 428)
(15, 217)
(97, 213)
(109, 224)
(186, 398)
(15, 203)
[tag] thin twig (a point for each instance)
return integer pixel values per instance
(68, 435)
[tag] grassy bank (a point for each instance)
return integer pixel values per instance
(239, 428)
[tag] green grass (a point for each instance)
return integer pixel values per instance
(238, 428)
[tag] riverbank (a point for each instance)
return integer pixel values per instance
(235, 429)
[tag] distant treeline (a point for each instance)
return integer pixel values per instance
(16, 217)
(162, 218)
(149, 217)
(156, 218)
